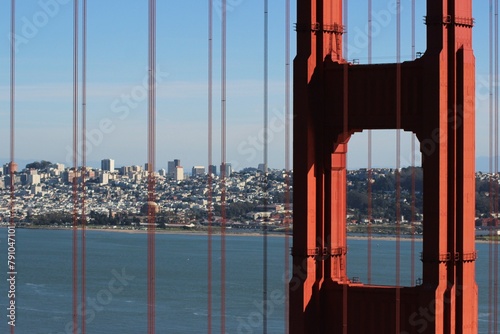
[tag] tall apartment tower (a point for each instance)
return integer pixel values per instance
(212, 169)
(59, 167)
(179, 173)
(108, 165)
(227, 168)
(10, 167)
(172, 165)
(198, 170)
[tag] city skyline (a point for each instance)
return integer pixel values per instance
(117, 61)
(482, 163)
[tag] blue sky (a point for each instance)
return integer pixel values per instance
(117, 61)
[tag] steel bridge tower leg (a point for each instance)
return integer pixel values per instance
(333, 99)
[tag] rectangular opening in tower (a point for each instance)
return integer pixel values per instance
(384, 207)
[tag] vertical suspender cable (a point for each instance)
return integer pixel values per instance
(491, 178)
(223, 167)
(210, 171)
(398, 166)
(84, 161)
(345, 111)
(265, 172)
(413, 31)
(369, 169)
(495, 251)
(370, 32)
(75, 167)
(151, 275)
(287, 163)
(413, 167)
(12, 224)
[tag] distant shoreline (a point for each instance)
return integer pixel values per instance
(229, 232)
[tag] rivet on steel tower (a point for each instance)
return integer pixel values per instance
(433, 97)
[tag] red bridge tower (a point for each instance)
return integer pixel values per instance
(433, 97)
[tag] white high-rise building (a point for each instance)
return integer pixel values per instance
(104, 178)
(179, 173)
(172, 165)
(59, 167)
(108, 165)
(197, 170)
(33, 179)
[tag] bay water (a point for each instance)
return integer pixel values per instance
(116, 281)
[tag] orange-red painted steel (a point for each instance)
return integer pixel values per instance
(151, 231)
(286, 220)
(75, 165)
(437, 104)
(12, 164)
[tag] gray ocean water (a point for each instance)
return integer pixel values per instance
(117, 288)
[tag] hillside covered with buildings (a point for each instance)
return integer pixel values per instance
(117, 197)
